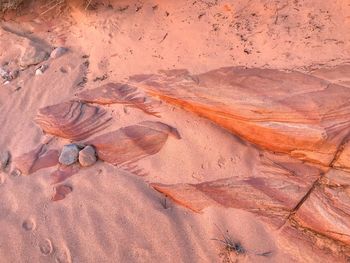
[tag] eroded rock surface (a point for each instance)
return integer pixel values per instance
(118, 93)
(72, 120)
(36, 159)
(273, 189)
(327, 208)
(132, 143)
(287, 112)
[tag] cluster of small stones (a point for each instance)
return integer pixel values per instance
(7, 75)
(73, 153)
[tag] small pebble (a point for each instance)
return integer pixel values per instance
(16, 172)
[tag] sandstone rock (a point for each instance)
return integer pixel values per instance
(33, 55)
(273, 189)
(36, 159)
(327, 208)
(118, 93)
(69, 154)
(342, 160)
(132, 142)
(339, 74)
(72, 120)
(61, 192)
(87, 156)
(287, 112)
(58, 52)
(62, 173)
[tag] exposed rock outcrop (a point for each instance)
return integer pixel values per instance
(132, 143)
(287, 112)
(72, 120)
(118, 93)
(36, 159)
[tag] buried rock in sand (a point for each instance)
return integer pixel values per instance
(132, 143)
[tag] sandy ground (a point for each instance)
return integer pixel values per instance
(113, 215)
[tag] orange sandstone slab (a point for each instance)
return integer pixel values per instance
(112, 93)
(288, 112)
(72, 120)
(132, 143)
(273, 190)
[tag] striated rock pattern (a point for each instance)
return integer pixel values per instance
(132, 143)
(72, 120)
(339, 74)
(118, 93)
(287, 112)
(36, 159)
(274, 188)
(327, 208)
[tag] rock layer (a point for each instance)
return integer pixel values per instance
(72, 120)
(112, 93)
(36, 159)
(132, 142)
(287, 112)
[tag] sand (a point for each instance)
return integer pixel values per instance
(113, 215)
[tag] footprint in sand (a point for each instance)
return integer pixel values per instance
(46, 247)
(29, 225)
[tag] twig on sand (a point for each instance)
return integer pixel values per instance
(88, 4)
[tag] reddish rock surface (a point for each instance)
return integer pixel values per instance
(132, 142)
(274, 189)
(72, 120)
(36, 159)
(118, 93)
(287, 112)
(61, 192)
(327, 208)
(339, 74)
(63, 172)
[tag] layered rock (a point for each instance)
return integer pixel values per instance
(72, 120)
(327, 208)
(112, 93)
(287, 112)
(132, 142)
(273, 189)
(339, 74)
(36, 159)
